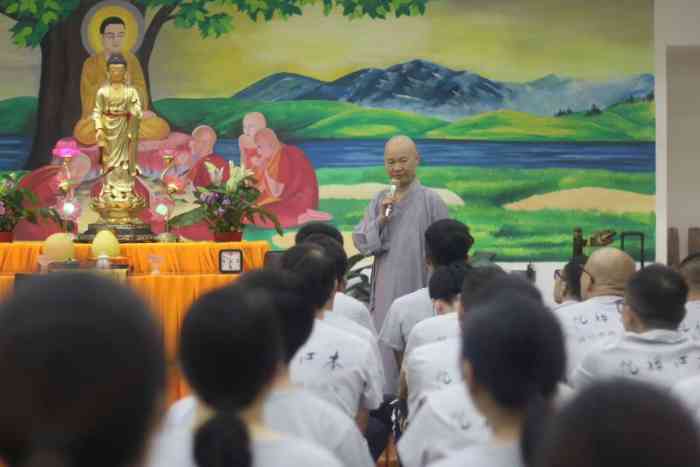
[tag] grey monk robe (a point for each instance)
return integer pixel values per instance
(398, 246)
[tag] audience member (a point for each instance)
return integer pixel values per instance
(567, 282)
(447, 241)
(445, 289)
(652, 349)
(620, 423)
(514, 358)
(237, 328)
(83, 373)
(338, 366)
(343, 304)
(690, 269)
(596, 320)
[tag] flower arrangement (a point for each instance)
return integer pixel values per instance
(226, 205)
(13, 203)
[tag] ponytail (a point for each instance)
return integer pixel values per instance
(537, 414)
(223, 441)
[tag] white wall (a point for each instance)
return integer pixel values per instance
(677, 23)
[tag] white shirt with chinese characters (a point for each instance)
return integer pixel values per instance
(433, 329)
(339, 367)
(660, 356)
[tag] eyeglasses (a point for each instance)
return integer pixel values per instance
(588, 274)
(620, 305)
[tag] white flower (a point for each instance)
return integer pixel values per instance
(236, 175)
(216, 174)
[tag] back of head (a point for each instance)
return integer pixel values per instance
(295, 312)
(82, 365)
(230, 347)
(690, 269)
(657, 294)
(515, 347)
(610, 269)
(334, 251)
(318, 227)
(447, 241)
(315, 269)
(620, 423)
(446, 281)
(478, 278)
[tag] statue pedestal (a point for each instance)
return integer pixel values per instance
(125, 233)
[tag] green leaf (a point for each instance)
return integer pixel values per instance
(188, 218)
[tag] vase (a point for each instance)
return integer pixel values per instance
(236, 236)
(6, 237)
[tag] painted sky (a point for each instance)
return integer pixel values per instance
(513, 40)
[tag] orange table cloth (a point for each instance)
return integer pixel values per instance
(179, 258)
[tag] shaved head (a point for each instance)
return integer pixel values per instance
(401, 159)
(610, 269)
(253, 122)
(268, 143)
(203, 141)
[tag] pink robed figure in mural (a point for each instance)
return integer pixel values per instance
(287, 181)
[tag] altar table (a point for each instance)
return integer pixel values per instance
(189, 271)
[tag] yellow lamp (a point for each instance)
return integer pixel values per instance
(105, 243)
(59, 247)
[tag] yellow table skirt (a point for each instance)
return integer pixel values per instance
(169, 296)
(179, 258)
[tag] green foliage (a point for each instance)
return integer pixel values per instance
(17, 115)
(34, 18)
(16, 203)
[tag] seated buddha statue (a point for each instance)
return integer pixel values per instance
(113, 31)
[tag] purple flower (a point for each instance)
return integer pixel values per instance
(2, 209)
(226, 202)
(220, 211)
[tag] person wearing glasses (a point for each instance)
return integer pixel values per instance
(567, 282)
(652, 348)
(595, 320)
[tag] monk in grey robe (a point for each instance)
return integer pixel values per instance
(397, 241)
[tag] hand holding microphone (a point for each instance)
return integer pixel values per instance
(388, 202)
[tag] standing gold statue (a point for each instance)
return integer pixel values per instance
(117, 115)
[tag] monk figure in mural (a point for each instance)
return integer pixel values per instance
(286, 179)
(252, 123)
(113, 32)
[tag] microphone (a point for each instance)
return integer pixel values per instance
(392, 193)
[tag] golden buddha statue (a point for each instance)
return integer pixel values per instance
(116, 117)
(112, 32)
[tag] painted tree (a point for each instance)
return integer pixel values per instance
(54, 27)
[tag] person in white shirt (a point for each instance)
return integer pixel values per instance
(652, 349)
(688, 391)
(567, 282)
(447, 241)
(230, 352)
(343, 304)
(338, 366)
(289, 408)
(83, 373)
(445, 288)
(595, 320)
(690, 269)
(513, 360)
(620, 423)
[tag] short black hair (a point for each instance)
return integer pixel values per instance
(295, 312)
(446, 281)
(81, 357)
(620, 422)
(508, 283)
(230, 346)
(316, 270)
(515, 347)
(447, 241)
(109, 21)
(658, 294)
(476, 279)
(572, 275)
(333, 250)
(318, 227)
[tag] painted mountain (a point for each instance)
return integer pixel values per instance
(430, 89)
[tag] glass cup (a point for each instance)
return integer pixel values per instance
(155, 262)
(44, 262)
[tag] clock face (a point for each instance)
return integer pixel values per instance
(230, 261)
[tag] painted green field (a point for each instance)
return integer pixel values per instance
(298, 120)
(514, 236)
